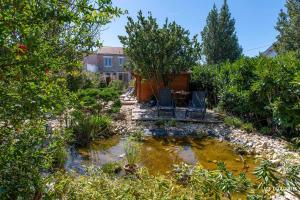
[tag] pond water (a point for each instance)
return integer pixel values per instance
(159, 154)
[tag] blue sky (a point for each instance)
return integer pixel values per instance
(255, 19)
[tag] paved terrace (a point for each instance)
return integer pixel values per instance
(144, 113)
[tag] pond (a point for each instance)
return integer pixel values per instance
(159, 154)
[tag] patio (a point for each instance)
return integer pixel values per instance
(142, 112)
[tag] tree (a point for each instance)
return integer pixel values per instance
(40, 41)
(219, 38)
(288, 27)
(159, 53)
(211, 37)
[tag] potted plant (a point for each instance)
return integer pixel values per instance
(132, 153)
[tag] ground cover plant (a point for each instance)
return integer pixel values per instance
(187, 182)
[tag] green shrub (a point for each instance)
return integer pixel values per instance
(265, 130)
(132, 152)
(116, 106)
(138, 135)
(111, 168)
(264, 91)
(117, 84)
(93, 99)
(248, 127)
(205, 78)
(233, 122)
(89, 127)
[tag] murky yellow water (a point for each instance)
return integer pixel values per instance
(160, 154)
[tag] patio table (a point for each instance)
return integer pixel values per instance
(181, 98)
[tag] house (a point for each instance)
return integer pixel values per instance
(109, 62)
(270, 52)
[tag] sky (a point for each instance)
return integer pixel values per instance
(255, 19)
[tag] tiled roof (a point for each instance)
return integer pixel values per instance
(111, 50)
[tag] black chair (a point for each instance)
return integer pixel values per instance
(197, 104)
(165, 102)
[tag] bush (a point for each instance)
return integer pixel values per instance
(117, 84)
(248, 127)
(260, 90)
(233, 122)
(93, 100)
(87, 128)
(205, 78)
(198, 183)
(111, 168)
(116, 106)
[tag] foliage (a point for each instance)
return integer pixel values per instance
(219, 38)
(188, 182)
(248, 127)
(77, 79)
(116, 106)
(111, 168)
(138, 135)
(132, 152)
(89, 127)
(169, 49)
(263, 91)
(26, 152)
(233, 121)
(93, 100)
(267, 176)
(41, 41)
(117, 84)
(288, 24)
(205, 78)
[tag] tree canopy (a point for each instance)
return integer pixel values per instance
(40, 42)
(220, 42)
(288, 27)
(159, 52)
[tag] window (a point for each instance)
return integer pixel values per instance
(120, 77)
(121, 61)
(107, 61)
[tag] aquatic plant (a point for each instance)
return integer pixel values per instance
(132, 152)
(138, 135)
(111, 168)
(89, 127)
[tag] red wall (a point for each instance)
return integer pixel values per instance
(145, 89)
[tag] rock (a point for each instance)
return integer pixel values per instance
(265, 145)
(121, 156)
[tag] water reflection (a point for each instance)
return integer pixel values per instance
(159, 154)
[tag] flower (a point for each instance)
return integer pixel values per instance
(22, 48)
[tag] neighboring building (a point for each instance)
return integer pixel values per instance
(270, 52)
(109, 63)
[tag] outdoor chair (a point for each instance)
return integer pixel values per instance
(165, 102)
(197, 104)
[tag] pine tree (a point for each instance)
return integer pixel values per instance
(288, 27)
(229, 41)
(219, 38)
(211, 36)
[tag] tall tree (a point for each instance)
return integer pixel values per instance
(159, 53)
(211, 37)
(40, 41)
(288, 27)
(220, 42)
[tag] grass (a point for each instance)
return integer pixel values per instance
(238, 123)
